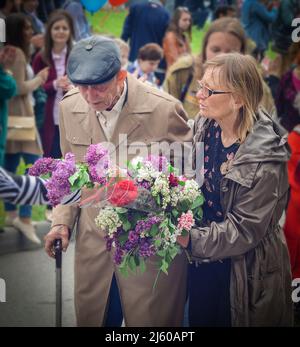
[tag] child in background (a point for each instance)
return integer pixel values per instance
(149, 57)
(124, 48)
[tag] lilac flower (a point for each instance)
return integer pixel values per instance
(58, 186)
(97, 158)
(144, 184)
(160, 163)
(118, 256)
(145, 225)
(42, 166)
(146, 249)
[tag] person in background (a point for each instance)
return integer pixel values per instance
(124, 49)
(146, 22)
(58, 44)
(18, 34)
(240, 270)
(176, 42)
(288, 95)
(8, 89)
(292, 226)
(29, 7)
(82, 28)
(224, 11)
(256, 19)
(148, 60)
(224, 35)
(6, 8)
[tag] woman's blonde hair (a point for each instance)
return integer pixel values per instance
(240, 75)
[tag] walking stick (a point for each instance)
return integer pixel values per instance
(58, 265)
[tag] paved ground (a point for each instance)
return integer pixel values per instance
(30, 284)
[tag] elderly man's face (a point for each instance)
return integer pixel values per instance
(103, 96)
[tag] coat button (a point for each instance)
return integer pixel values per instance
(224, 189)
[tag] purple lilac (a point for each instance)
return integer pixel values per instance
(42, 166)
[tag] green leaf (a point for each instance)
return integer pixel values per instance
(171, 168)
(164, 267)
(73, 178)
(126, 225)
(161, 253)
(158, 200)
(173, 252)
(121, 210)
(198, 202)
(154, 230)
(123, 238)
(175, 213)
(181, 183)
(124, 270)
(132, 264)
(157, 243)
(142, 265)
(164, 223)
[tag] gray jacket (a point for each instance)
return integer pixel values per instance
(254, 194)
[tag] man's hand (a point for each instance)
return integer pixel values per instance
(57, 232)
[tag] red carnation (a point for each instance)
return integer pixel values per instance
(122, 193)
(173, 180)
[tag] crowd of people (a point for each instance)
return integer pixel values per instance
(242, 105)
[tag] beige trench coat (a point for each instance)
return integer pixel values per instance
(148, 115)
(254, 194)
(20, 105)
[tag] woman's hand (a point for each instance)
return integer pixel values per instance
(183, 241)
(43, 74)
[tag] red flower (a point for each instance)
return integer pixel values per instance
(122, 193)
(173, 180)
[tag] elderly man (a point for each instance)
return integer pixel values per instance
(108, 102)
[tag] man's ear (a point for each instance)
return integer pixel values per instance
(122, 74)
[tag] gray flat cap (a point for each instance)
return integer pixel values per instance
(94, 60)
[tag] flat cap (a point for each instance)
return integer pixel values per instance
(94, 60)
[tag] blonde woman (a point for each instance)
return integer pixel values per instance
(239, 272)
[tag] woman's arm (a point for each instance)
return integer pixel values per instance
(248, 221)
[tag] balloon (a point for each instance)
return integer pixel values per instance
(93, 5)
(117, 2)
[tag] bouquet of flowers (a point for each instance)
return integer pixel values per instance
(64, 176)
(145, 212)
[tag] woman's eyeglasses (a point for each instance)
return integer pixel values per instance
(207, 92)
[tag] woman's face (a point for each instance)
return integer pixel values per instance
(60, 32)
(27, 31)
(215, 106)
(185, 21)
(222, 43)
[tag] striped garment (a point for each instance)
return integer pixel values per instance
(28, 190)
